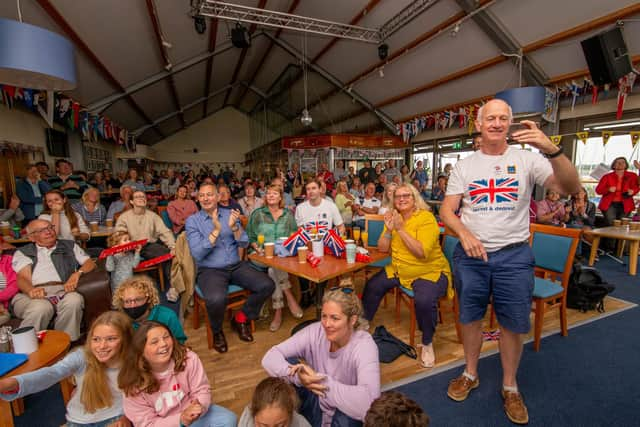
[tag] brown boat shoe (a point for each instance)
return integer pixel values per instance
(460, 387)
(514, 407)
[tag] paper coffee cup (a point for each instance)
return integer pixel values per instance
(302, 254)
(110, 223)
(94, 226)
(5, 228)
(269, 249)
(24, 340)
(317, 248)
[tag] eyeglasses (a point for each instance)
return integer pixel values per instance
(403, 196)
(43, 229)
(344, 290)
(138, 300)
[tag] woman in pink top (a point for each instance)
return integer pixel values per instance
(165, 383)
(8, 281)
(180, 209)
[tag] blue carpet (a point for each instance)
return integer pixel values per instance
(589, 378)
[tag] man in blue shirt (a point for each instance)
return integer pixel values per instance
(214, 236)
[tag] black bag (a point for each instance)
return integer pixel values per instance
(390, 347)
(587, 289)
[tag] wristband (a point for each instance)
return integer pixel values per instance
(387, 235)
(235, 228)
(553, 155)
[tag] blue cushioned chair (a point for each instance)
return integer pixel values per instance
(236, 297)
(373, 225)
(449, 242)
(554, 249)
(165, 218)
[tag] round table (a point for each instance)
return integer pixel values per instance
(53, 347)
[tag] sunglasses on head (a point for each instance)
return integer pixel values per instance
(343, 289)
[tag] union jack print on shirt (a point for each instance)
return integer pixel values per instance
(493, 190)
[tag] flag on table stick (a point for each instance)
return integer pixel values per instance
(297, 239)
(605, 136)
(625, 86)
(583, 136)
(635, 137)
(334, 243)
(556, 139)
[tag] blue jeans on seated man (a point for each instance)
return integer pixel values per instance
(213, 283)
(216, 416)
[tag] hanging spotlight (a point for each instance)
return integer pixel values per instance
(383, 51)
(240, 37)
(455, 30)
(306, 118)
(200, 24)
(381, 72)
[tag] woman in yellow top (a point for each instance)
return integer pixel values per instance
(411, 234)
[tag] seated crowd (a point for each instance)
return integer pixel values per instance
(134, 366)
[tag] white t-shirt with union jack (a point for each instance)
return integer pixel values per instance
(496, 191)
(323, 217)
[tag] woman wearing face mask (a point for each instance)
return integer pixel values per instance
(97, 400)
(165, 383)
(333, 363)
(138, 298)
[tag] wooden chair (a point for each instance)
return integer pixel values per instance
(154, 268)
(554, 249)
(236, 297)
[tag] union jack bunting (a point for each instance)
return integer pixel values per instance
(297, 239)
(493, 191)
(333, 243)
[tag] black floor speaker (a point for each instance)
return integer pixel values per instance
(607, 56)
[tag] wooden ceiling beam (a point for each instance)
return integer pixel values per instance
(243, 55)
(155, 22)
(84, 48)
(292, 8)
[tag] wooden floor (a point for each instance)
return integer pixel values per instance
(234, 375)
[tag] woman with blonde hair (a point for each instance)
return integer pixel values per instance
(411, 234)
(90, 208)
(138, 298)
(387, 198)
(336, 363)
(344, 201)
(165, 383)
(97, 401)
(68, 223)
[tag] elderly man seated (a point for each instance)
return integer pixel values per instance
(48, 272)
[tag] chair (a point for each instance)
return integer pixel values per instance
(165, 217)
(404, 295)
(373, 226)
(236, 297)
(449, 243)
(554, 249)
(158, 269)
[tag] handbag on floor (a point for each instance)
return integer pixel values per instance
(391, 347)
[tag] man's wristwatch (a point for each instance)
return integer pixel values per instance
(235, 228)
(553, 155)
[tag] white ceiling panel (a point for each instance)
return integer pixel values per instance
(190, 83)
(427, 63)
(530, 21)
(193, 115)
(177, 27)
(155, 100)
(275, 64)
(223, 66)
(170, 126)
(483, 83)
(123, 114)
(364, 123)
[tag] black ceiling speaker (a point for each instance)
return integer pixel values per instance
(383, 51)
(200, 24)
(240, 37)
(607, 56)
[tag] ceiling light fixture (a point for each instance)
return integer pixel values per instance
(200, 24)
(381, 72)
(240, 37)
(383, 51)
(306, 118)
(455, 30)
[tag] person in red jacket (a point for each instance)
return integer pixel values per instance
(617, 189)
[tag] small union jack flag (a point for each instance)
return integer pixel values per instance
(317, 226)
(334, 243)
(493, 191)
(297, 239)
(491, 335)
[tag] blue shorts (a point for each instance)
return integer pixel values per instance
(506, 281)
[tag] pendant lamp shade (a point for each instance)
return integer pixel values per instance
(35, 58)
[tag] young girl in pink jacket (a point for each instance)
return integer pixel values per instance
(165, 383)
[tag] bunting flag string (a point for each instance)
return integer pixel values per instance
(583, 136)
(605, 136)
(635, 137)
(69, 113)
(556, 139)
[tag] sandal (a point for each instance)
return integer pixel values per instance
(275, 324)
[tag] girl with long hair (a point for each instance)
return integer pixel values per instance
(68, 223)
(165, 383)
(97, 400)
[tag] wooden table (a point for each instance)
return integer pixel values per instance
(329, 268)
(103, 231)
(618, 233)
(53, 348)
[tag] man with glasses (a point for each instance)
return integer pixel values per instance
(47, 268)
(214, 236)
(493, 261)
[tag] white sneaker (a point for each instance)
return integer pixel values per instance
(172, 295)
(428, 357)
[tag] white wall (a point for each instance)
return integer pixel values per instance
(222, 137)
(24, 127)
